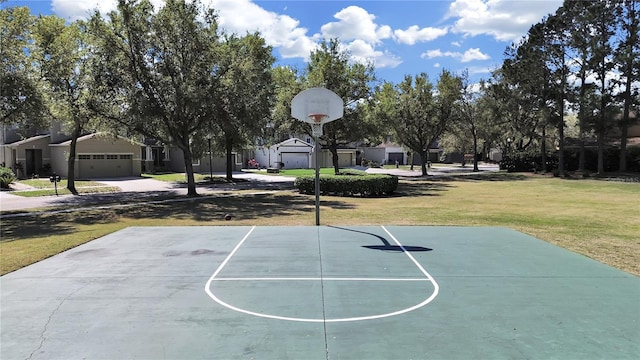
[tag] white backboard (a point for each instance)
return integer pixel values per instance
(317, 101)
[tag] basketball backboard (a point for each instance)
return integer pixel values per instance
(309, 104)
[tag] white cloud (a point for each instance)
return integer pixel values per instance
(505, 20)
(353, 23)
(414, 34)
(72, 10)
(280, 31)
(364, 52)
(436, 65)
(469, 55)
(355, 27)
(474, 54)
(456, 43)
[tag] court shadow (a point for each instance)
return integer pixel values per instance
(402, 248)
(386, 245)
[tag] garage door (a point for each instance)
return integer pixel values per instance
(399, 157)
(105, 165)
(345, 159)
(295, 160)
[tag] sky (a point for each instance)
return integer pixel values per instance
(399, 37)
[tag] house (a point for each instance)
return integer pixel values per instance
(390, 152)
(98, 155)
(293, 153)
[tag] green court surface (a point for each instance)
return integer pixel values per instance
(369, 292)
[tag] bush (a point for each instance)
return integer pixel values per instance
(6, 177)
(349, 184)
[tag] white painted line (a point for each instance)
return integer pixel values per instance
(226, 260)
(315, 320)
(317, 279)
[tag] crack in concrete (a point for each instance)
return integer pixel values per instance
(43, 338)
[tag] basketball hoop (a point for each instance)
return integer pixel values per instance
(316, 125)
(317, 106)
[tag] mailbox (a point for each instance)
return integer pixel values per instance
(54, 178)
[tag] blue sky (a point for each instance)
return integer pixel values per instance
(399, 37)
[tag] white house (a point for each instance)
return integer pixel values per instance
(293, 153)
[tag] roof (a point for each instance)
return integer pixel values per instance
(28, 140)
(294, 142)
(98, 134)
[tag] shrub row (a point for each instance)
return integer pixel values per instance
(6, 177)
(349, 185)
(532, 161)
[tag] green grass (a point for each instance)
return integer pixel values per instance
(44, 187)
(46, 184)
(598, 219)
(302, 172)
(65, 191)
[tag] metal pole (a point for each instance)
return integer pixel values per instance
(317, 182)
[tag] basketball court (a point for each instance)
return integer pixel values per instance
(319, 292)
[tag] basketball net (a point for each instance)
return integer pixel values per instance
(316, 125)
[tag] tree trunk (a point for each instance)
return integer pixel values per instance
(229, 155)
(624, 127)
(334, 159)
(475, 151)
(71, 162)
(424, 159)
(600, 152)
(582, 120)
(561, 168)
(188, 165)
(543, 150)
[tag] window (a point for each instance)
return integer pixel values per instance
(98, 157)
(84, 157)
(112, 157)
(126, 157)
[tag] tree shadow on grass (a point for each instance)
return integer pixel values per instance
(386, 245)
(199, 209)
(481, 176)
(27, 227)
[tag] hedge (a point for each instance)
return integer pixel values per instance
(349, 185)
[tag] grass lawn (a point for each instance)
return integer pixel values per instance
(302, 172)
(596, 218)
(181, 178)
(44, 187)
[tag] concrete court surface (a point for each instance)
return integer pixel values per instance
(323, 292)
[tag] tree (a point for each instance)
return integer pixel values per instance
(418, 113)
(329, 67)
(467, 114)
(165, 65)
(581, 28)
(22, 101)
(523, 85)
(602, 65)
(64, 58)
(286, 86)
(558, 35)
(627, 60)
(245, 91)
